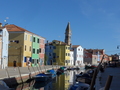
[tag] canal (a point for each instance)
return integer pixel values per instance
(61, 82)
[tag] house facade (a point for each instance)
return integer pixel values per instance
(78, 54)
(42, 50)
(57, 52)
(93, 56)
(4, 40)
(49, 53)
(22, 47)
(27, 48)
(35, 50)
(71, 57)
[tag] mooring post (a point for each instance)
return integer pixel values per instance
(29, 72)
(108, 83)
(20, 74)
(38, 69)
(45, 68)
(7, 73)
(93, 80)
(34, 70)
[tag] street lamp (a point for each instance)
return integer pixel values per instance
(118, 46)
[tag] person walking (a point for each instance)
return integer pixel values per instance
(15, 64)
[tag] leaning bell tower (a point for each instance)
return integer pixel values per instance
(68, 34)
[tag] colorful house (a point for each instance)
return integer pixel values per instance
(49, 53)
(42, 50)
(57, 52)
(4, 40)
(24, 46)
(71, 57)
(35, 50)
(78, 54)
(93, 56)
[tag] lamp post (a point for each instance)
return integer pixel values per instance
(118, 46)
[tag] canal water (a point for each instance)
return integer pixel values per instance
(61, 82)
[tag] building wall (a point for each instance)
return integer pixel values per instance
(49, 54)
(27, 48)
(0, 47)
(78, 55)
(5, 48)
(35, 46)
(71, 58)
(87, 58)
(16, 50)
(42, 53)
(67, 55)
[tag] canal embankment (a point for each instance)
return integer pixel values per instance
(20, 75)
(103, 77)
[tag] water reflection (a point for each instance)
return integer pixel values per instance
(61, 82)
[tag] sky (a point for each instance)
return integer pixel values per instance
(95, 24)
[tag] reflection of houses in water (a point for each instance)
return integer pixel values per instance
(67, 78)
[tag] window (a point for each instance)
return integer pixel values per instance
(37, 60)
(25, 47)
(30, 48)
(33, 50)
(25, 37)
(78, 49)
(33, 39)
(66, 54)
(38, 40)
(54, 55)
(37, 51)
(32, 60)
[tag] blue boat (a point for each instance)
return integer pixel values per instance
(42, 77)
(80, 86)
(53, 72)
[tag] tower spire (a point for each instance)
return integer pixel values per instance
(68, 34)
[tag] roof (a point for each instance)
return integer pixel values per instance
(95, 51)
(60, 42)
(75, 46)
(14, 28)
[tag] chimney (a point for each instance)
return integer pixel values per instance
(0, 24)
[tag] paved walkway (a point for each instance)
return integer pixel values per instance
(102, 78)
(23, 70)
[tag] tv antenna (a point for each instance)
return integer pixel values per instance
(6, 20)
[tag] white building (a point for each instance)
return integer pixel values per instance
(4, 40)
(78, 54)
(71, 57)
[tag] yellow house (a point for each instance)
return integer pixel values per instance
(19, 46)
(61, 53)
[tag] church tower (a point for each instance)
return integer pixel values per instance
(68, 34)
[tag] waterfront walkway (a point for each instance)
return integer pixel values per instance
(10, 72)
(102, 78)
